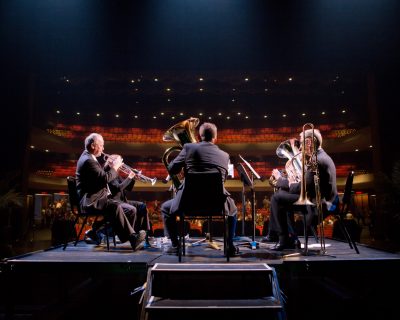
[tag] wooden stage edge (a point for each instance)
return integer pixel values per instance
(58, 284)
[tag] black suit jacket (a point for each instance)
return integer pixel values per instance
(201, 157)
(327, 180)
(119, 186)
(91, 181)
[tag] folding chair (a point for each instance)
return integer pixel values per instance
(341, 213)
(202, 198)
(75, 205)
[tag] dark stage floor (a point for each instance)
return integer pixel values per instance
(87, 280)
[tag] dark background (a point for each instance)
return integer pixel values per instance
(44, 38)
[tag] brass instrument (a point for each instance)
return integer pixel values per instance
(312, 164)
(124, 168)
(303, 199)
(289, 149)
(182, 132)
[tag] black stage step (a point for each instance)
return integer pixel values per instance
(183, 291)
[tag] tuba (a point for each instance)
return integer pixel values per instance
(289, 149)
(182, 132)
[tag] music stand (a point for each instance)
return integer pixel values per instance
(248, 181)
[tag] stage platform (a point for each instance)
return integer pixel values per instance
(88, 281)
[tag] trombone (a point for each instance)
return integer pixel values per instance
(312, 164)
(127, 170)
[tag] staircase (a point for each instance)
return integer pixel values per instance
(212, 291)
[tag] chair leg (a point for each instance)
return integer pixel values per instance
(226, 237)
(181, 238)
(80, 231)
(314, 234)
(106, 231)
(72, 232)
(305, 235)
(343, 228)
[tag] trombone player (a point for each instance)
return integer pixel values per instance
(283, 200)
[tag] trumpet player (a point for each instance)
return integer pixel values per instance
(283, 200)
(93, 192)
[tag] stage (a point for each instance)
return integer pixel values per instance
(88, 281)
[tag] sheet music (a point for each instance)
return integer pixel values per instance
(250, 167)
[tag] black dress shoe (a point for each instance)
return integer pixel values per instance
(297, 244)
(233, 251)
(269, 238)
(92, 237)
(136, 240)
(173, 250)
(283, 246)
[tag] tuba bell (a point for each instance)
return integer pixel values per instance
(289, 149)
(182, 132)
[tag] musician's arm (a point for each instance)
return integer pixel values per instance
(178, 163)
(282, 183)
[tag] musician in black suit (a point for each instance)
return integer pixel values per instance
(199, 157)
(92, 184)
(282, 201)
(119, 187)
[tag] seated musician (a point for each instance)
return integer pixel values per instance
(194, 157)
(118, 188)
(92, 185)
(283, 200)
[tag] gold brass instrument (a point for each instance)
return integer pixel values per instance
(124, 168)
(303, 199)
(182, 132)
(312, 164)
(289, 149)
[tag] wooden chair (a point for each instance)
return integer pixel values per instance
(75, 207)
(202, 198)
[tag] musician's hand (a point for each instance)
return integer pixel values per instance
(116, 163)
(276, 174)
(131, 175)
(181, 175)
(292, 179)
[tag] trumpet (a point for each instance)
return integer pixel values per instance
(124, 168)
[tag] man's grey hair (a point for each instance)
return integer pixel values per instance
(208, 131)
(93, 137)
(317, 136)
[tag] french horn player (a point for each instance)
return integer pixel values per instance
(315, 161)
